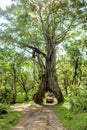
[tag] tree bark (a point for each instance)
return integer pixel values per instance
(14, 86)
(52, 81)
(49, 80)
(38, 97)
(66, 84)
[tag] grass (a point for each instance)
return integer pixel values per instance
(9, 119)
(71, 120)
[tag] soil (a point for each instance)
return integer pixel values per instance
(37, 118)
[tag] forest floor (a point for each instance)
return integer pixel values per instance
(37, 118)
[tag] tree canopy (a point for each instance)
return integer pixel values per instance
(33, 33)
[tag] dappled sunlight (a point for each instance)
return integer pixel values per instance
(43, 64)
(20, 107)
(24, 107)
(37, 118)
(46, 110)
(19, 128)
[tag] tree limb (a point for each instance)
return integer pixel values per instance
(36, 50)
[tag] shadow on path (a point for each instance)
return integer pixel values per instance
(37, 118)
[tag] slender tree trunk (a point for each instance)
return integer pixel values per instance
(14, 91)
(26, 94)
(14, 86)
(66, 84)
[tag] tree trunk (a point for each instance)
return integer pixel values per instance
(26, 94)
(49, 80)
(66, 84)
(14, 86)
(14, 91)
(52, 82)
(38, 97)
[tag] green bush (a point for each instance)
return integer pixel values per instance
(3, 109)
(78, 98)
(5, 95)
(20, 97)
(8, 118)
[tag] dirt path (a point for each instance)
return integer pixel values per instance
(37, 118)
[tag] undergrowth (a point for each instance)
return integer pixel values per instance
(71, 120)
(8, 118)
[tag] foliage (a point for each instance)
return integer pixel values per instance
(72, 71)
(78, 98)
(14, 68)
(30, 28)
(3, 109)
(8, 118)
(33, 30)
(71, 120)
(5, 95)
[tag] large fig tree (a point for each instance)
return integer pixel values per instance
(41, 26)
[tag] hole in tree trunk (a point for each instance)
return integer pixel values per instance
(49, 99)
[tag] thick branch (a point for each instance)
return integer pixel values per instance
(36, 50)
(24, 45)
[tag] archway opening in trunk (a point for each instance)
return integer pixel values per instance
(49, 99)
(48, 85)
